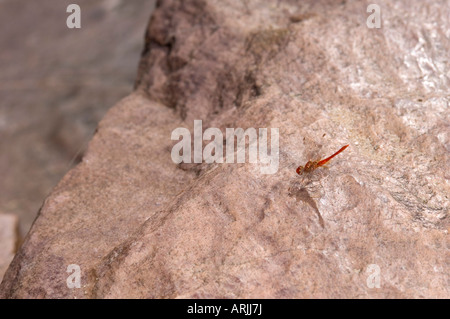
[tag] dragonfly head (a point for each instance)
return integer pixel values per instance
(299, 170)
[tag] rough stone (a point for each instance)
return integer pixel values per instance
(140, 226)
(9, 239)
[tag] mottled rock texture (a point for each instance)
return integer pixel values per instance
(141, 226)
(9, 239)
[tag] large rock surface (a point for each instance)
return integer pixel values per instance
(139, 225)
(9, 239)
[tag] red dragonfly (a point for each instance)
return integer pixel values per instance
(312, 165)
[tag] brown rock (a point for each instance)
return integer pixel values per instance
(141, 226)
(9, 239)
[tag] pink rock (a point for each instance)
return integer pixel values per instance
(373, 225)
(9, 239)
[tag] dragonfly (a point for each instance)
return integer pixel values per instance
(313, 165)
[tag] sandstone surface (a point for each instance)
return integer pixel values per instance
(140, 226)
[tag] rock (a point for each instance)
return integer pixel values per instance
(373, 225)
(9, 239)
